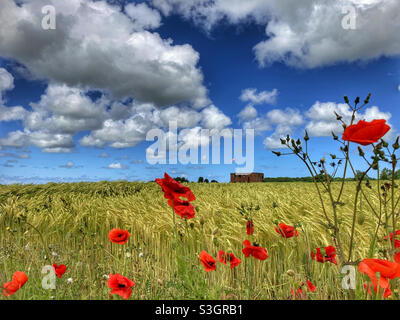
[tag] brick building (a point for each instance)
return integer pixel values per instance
(247, 177)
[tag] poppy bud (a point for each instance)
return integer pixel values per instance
(357, 101)
(384, 143)
(201, 220)
(306, 137)
(367, 98)
(396, 144)
(335, 137)
(346, 99)
(361, 152)
(344, 126)
(283, 141)
(338, 117)
(361, 218)
(333, 156)
(277, 153)
(287, 138)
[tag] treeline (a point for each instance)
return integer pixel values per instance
(200, 180)
(385, 174)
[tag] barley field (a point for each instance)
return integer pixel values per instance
(69, 224)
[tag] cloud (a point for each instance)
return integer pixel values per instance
(133, 130)
(70, 165)
(117, 165)
(143, 17)
(208, 14)
(303, 34)
(213, 118)
(184, 117)
(248, 113)
(7, 179)
(398, 88)
(8, 113)
(136, 161)
(64, 111)
(14, 155)
(12, 113)
(277, 119)
(319, 120)
(251, 95)
(285, 122)
(322, 120)
(48, 142)
(6, 80)
(95, 45)
(10, 163)
(104, 155)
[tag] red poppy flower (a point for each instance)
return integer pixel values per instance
(249, 227)
(18, 280)
(207, 261)
(386, 293)
(330, 255)
(59, 270)
(254, 250)
(365, 132)
(120, 285)
(183, 208)
(174, 190)
(299, 292)
(118, 236)
(387, 270)
(397, 255)
(286, 231)
(224, 257)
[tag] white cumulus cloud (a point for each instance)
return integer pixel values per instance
(96, 45)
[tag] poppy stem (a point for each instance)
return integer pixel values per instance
(308, 252)
(358, 189)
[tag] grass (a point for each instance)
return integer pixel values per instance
(69, 224)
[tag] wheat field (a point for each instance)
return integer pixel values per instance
(69, 223)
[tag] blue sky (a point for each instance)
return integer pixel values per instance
(77, 101)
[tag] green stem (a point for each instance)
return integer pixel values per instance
(358, 189)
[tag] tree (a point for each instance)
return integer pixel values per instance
(386, 174)
(201, 179)
(206, 181)
(181, 179)
(359, 175)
